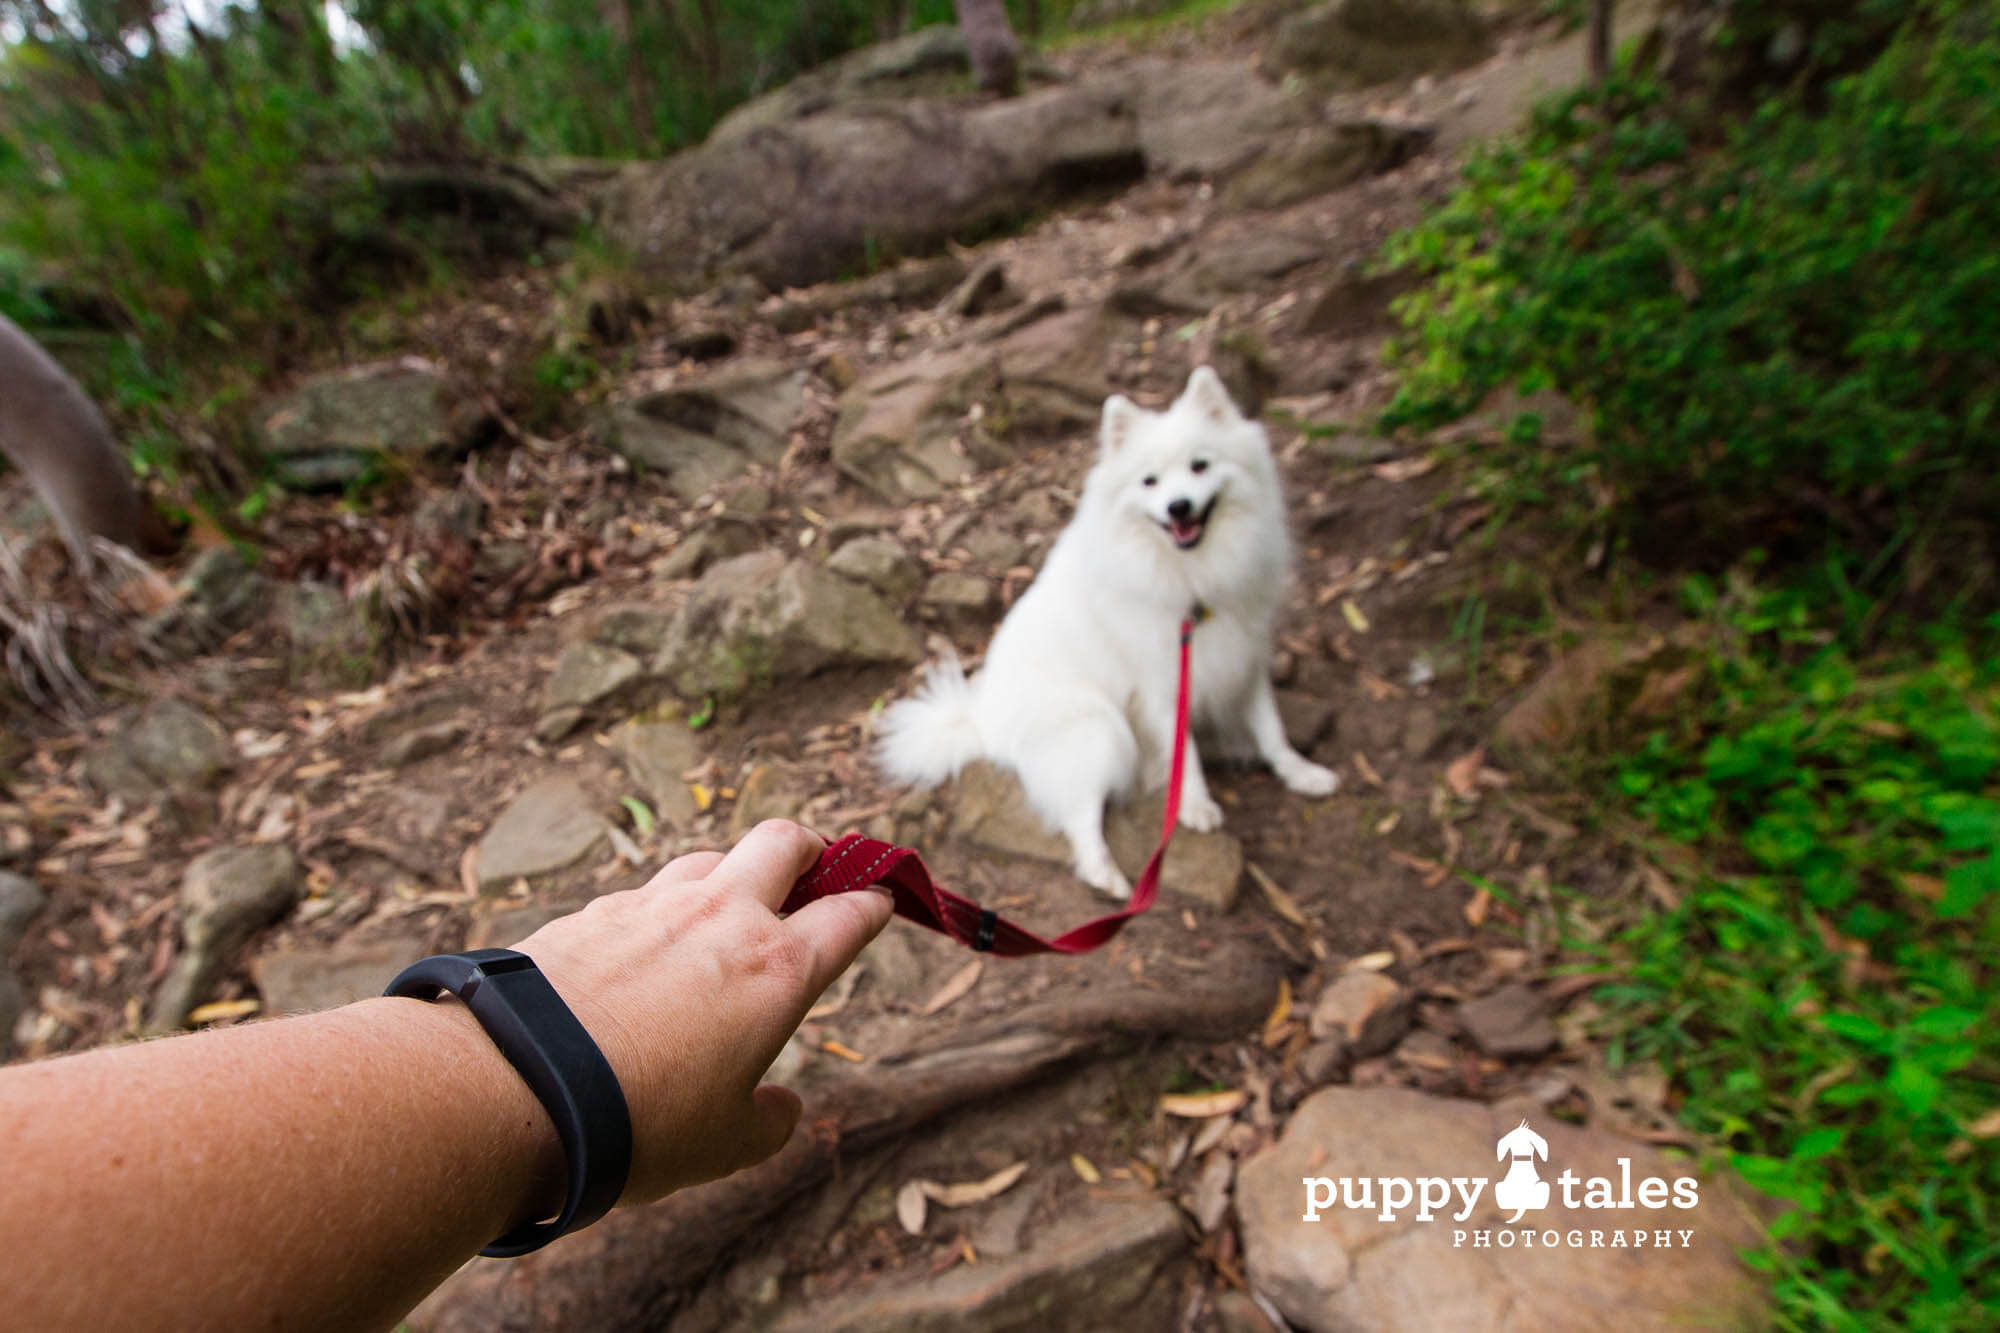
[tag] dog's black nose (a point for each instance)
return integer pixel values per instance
(1180, 510)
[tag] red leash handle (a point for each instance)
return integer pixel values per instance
(855, 862)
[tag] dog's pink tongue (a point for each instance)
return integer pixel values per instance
(1185, 532)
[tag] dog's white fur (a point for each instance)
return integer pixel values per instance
(1076, 695)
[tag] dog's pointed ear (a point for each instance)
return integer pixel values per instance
(1206, 394)
(1121, 414)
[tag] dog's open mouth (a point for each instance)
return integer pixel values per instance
(1187, 531)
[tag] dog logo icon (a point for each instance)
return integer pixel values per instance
(1522, 1189)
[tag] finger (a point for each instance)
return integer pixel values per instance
(774, 1114)
(837, 928)
(680, 870)
(769, 861)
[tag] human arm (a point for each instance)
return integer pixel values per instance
(327, 1171)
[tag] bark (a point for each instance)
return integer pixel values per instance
(989, 37)
(55, 435)
(1600, 40)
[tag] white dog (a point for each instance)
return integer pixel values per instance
(1182, 512)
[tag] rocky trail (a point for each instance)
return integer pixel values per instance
(680, 620)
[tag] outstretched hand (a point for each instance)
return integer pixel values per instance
(691, 985)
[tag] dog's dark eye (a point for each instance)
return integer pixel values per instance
(1199, 466)
(1151, 481)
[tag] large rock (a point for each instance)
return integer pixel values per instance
(1097, 1268)
(218, 594)
(304, 981)
(881, 562)
(171, 749)
(910, 432)
(1313, 161)
(656, 754)
(700, 435)
(1352, 1271)
(585, 675)
(551, 825)
(227, 895)
(993, 813)
(1347, 44)
(329, 430)
(760, 619)
(794, 201)
(1203, 118)
(928, 60)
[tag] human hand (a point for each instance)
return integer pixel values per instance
(691, 986)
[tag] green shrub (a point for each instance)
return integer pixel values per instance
(1825, 1000)
(1788, 340)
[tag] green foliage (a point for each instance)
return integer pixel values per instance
(1807, 315)
(1825, 999)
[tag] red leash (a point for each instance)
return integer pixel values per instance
(855, 862)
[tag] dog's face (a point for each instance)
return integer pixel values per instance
(1184, 468)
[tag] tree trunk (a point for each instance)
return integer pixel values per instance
(1600, 40)
(55, 435)
(989, 37)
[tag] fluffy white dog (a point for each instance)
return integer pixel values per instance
(1182, 513)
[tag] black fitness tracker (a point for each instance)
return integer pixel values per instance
(543, 1040)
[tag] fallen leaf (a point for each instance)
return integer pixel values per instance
(976, 1191)
(1388, 822)
(642, 815)
(1433, 873)
(1085, 1168)
(959, 983)
(1280, 1011)
(704, 797)
(221, 1009)
(1367, 770)
(1353, 616)
(911, 1206)
(319, 770)
(1404, 469)
(1986, 1127)
(1476, 909)
(1203, 1105)
(1381, 691)
(1281, 902)
(1462, 773)
(468, 870)
(832, 1047)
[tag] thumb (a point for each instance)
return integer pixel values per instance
(774, 1114)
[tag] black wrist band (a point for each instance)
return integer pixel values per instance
(542, 1039)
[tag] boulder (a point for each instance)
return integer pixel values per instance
(585, 675)
(171, 749)
(992, 813)
(911, 431)
(1203, 118)
(1351, 1269)
(656, 754)
(227, 895)
(797, 200)
(305, 981)
(759, 619)
(700, 435)
(331, 429)
(1314, 161)
(881, 563)
(1340, 45)
(550, 826)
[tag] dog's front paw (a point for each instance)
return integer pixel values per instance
(1309, 779)
(1103, 874)
(1200, 813)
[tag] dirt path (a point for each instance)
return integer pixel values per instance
(1377, 686)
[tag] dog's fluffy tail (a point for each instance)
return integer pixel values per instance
(933, 734)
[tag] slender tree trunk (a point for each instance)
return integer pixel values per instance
(1600, 40)
(989, 37)
(55, 435)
